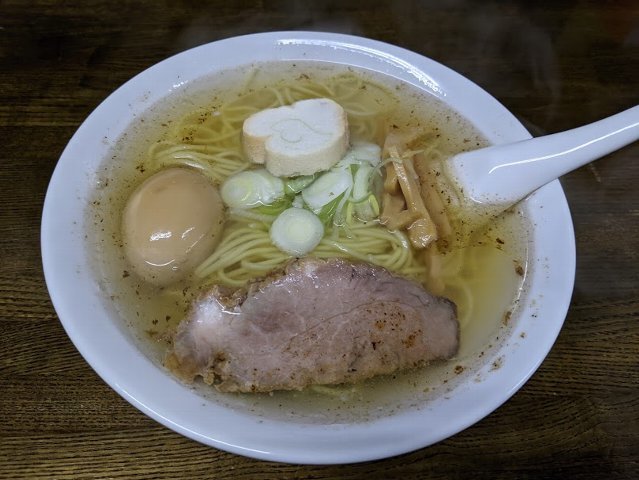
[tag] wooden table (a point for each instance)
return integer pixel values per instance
(555, 65)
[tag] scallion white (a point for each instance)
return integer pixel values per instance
(296, 231)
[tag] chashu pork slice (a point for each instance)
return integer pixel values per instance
(318, 322)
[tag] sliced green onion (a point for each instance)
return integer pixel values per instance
(367, 209)
(327, 211)
(297, 184)
(298, 202)
(362, 182)
(362, 153)
(252, 188)
(339, 217)
(296, 231)
(275, 208)
(327, 188)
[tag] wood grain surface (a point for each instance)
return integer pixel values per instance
(555, 65)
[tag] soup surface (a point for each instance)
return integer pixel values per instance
(483, 274)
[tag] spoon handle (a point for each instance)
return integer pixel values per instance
(505, 174)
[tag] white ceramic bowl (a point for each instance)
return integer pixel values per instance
(111, 351)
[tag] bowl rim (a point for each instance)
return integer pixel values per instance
(77, 299)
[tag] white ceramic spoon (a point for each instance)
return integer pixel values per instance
(494, 178)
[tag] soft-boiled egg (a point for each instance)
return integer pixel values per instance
(171, 223)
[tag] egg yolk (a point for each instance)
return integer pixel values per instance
(171, 223)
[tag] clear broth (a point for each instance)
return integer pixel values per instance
(493, 265)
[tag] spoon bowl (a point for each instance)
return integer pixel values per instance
(490, 180)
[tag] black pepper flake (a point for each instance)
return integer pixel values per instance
(507, 316)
